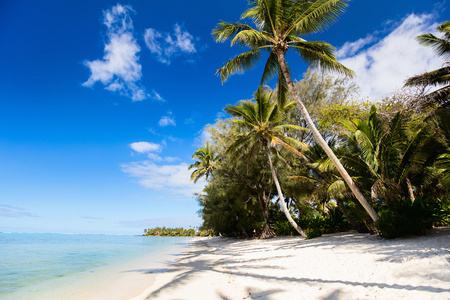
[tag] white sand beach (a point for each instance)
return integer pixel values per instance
(337, 266)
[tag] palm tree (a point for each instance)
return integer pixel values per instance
(205, 164)
(392, 156)
(321, 183)
(437, 77)
(280, 25)
(260, 130)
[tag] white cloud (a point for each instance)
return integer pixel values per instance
(174, 139)
(203, 136)
(350, 48)
(153, 131)
(189, 121)
(157, 158)
(154, 157)
(155, 96)
(221, 115)
(166, 45)
(119, 70)
(171, 159)
(184, 40)
(166, 121)
(144, 147)
(13, 212)
(172, 178)
(384, 66)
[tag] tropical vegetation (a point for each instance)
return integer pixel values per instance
(398, 157)
(279, 26)
(179, 231)
(310, 157)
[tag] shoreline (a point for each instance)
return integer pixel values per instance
(116, 280)
(336, 266)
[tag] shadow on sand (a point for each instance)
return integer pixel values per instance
(198, 261)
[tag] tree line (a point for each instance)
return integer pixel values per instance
(307, 157)
(179, 231)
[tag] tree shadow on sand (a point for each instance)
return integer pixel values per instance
(199, 261)
(203, 259)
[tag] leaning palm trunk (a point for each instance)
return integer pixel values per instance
(372, 213)
(410, 190)
(280, 194)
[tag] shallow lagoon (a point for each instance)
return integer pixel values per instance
(32, 264)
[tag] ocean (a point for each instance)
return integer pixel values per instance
(33, 265)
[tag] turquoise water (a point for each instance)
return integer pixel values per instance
(28, 261)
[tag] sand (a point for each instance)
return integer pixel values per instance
(336, 266)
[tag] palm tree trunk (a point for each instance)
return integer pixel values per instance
(372, 213)
(266, 232)
(280, 194)
(410, 190)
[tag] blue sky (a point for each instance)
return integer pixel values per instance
(102, 103)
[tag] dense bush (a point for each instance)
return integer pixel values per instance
(405, 217)
(315, 226)
(313, 233)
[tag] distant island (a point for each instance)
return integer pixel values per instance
(180, 231)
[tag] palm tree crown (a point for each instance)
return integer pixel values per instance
(205, 162)
(280, 25)
(259, 121)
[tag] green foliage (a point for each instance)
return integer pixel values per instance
(444, 213)
(406, 218)
(284, 228)
(394, 154)
(333, 222)
(278, 26)
(313, 233)
(231, 204)
(331, 115)
(163, 231)
(205, 232)
(205, 162)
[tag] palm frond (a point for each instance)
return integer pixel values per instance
(321, 54)
(288, 127)
(337, 188)
(225, 30)
(443, 163)
(444, 28)
(248, 114)
(440, 46)
(241, 63)
(282, 91)
(324, 164)
(234, 149)
(440, 97)
(317, 16)
(443, 118)
(436, 77)
(270, 69)
(252, 38)
(258, 13)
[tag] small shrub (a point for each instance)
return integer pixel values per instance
(313, 233)
(444, 213)
(284, 228)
